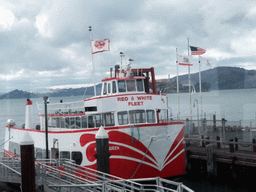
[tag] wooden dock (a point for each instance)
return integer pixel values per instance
(214, 152)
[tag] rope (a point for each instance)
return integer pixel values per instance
(142, 158)
(6, 141)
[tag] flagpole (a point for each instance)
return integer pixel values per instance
(189, 84)
(178, 89)
(93, 71)
(200, 87)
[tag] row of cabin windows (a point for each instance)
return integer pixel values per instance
(136, 116)
(131, 85)
(90, 121)
(105, 119)
(41, 153)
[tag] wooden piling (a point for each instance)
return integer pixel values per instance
(236, 145)
(211, 163)
(231, 146)
(218, 142)
(254, 145)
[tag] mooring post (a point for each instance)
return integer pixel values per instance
(214, 122)
(207, 142)
(211, 163)
(236, 145)
(202, 141)
(254, 145)
(102, 150)
(231, 146)
(218, 141)
(27, 164)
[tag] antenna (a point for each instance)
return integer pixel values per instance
(121, 56)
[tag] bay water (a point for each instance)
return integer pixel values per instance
(233, 105)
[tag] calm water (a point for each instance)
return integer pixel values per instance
(233, 105)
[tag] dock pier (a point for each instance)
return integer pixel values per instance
(221, 148)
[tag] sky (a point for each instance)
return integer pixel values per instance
(46, 44)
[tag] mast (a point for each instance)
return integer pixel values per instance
(189, 85)
(93, 71)
(121, 56)
(178, 89)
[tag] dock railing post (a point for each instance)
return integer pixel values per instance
(236, 145)
(218, 142)
(254, 145)
(231, 146)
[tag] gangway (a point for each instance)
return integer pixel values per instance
(64, 175)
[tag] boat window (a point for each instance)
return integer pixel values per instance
(72, 122)
(98, 120)
(140, 85)
(122, 118)
(121, 86)
(77, 157)
(113, 87)
(90, 121)
(105, 89)
(109, 88)
(94, 108)
(151, 116)
(60, 122)
(131, 85)
(137, 116)
(65, 154)
(66, 122)
(84, 122)
(52, 122)
(78, 122)
(109, 119)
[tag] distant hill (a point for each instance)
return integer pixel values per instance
(18, 94)
(218, 78)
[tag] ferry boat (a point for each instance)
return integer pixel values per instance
(143, 142)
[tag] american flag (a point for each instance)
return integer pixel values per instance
(197, 50)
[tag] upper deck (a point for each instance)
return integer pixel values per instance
(129, 81)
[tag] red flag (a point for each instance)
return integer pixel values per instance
(100, 45)
(197, 50)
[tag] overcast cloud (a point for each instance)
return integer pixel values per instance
(45, 44)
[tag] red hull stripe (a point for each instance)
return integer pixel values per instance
(96, 129)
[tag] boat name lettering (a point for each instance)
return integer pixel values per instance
(113, 148)
(140, 103)
(122, 98)
(144, 97)
(140, 98)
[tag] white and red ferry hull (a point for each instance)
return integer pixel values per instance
(157, 149)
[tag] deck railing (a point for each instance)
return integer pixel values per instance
(76, 107)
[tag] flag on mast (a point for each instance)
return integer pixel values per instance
(100, 45)
(204, 61)
(197, 50)
(185, 60)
